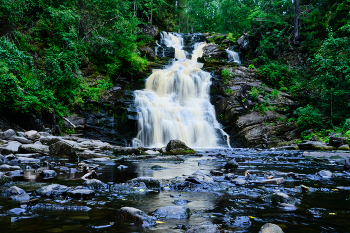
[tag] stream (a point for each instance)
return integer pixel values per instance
(234, 207)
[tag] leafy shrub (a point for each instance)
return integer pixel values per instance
(251, 67)
(254, 93)
(9, 91)
(308, 117)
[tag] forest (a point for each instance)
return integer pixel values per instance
(56, 55)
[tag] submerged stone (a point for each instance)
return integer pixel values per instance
(130, 214)
(270, 228)
(176, 212)
(52, 190)
(151, 182)
(204, 227)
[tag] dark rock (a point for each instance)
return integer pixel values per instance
(28, 160)
(150, 30)
(151, 182)
(49, 140)
(204, 227)
(347, 165)
(147, 52)
(82, 193)
(232, 164)
(8, 134)
(32, 135)
(304, 189)
(48, 173)
(312, 145)
(270, 228)
(216, 173)
(79, 122)
(277, 197)
(177, 147)
(6, 167)
(212, 50)
(14, 190)
(181, 202)
(336, 141)
(174, 212)
(229, 176)
(128, 151)
(238, 181)
(243, 42)
(133, 215)
(4, 179)
(53, 190)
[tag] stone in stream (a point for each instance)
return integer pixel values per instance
(286, 206)
(64, 148)
(32, 135)
(177, 147)
(133, 215)
(181, 202)
(325, 174)
(34, 148)
(82, 193)
(232, 164)
(199, 178)
(174, 212)
(270, 228)
(204, 227)
(229, 176)
(95, 184)
(6, 167)
(274, 181)
(22, 140)
(312, 145)
(151, 182)
(238, 181)
(49, 140)
(304, 189)
(216, 173)
(347, 165)
(53, 190)
(16, 194)
(48, 173)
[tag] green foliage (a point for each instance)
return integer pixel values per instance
(254, 93)
(251, 67)
(308, 117)
(9, 91)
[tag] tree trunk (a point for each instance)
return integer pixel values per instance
(296, 21)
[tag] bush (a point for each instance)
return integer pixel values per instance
(308, 117)
(9, 91)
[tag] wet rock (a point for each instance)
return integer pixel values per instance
(48, 173)
(232, 164)
(325, 174)
(336, 141)
(28, 160)
(34, 148)
(344, 147)
(181, 202)
(242, 221)
(94, 184)
(347, 165)
(277, 197)
(175, 212)
(32, 135)
(212, 50)
(63, 148)
(128, 151)
(288, 207)
(11, 148)
(204, 227)
(270, 228)
(46, 206)
(6, 167)
(52, 190)
(177, 147)
(17, 194)
(82, 193)
(147, 52)
(133, 215)
(150, 30)
(216, 173)
(199, 178)
(22, 140)
(17, 211)
(49, 140)
(8, 134)
(151, 182)
(312, 145)
(275, 181)
(238, 181)
(229, 176)
(155, 167)
(4, 179)
(16, 173)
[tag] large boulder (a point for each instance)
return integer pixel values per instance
(199, 178)
(204, 227)
(17, 194)
(8, 134)
(175, 212)
(133, 215)
(63, 148)
(212, 50)
(34, 148)
(11, 148)
(177, 147)
(336, 141)
(22, 140)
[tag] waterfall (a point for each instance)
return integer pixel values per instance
(175, 103)
(233, 56)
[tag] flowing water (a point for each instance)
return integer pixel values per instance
(236, 208)
(176, 104)
(233, 56)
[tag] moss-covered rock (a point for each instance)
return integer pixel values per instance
(177, 147)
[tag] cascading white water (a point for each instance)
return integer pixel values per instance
(175, 103)
(233, 56)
